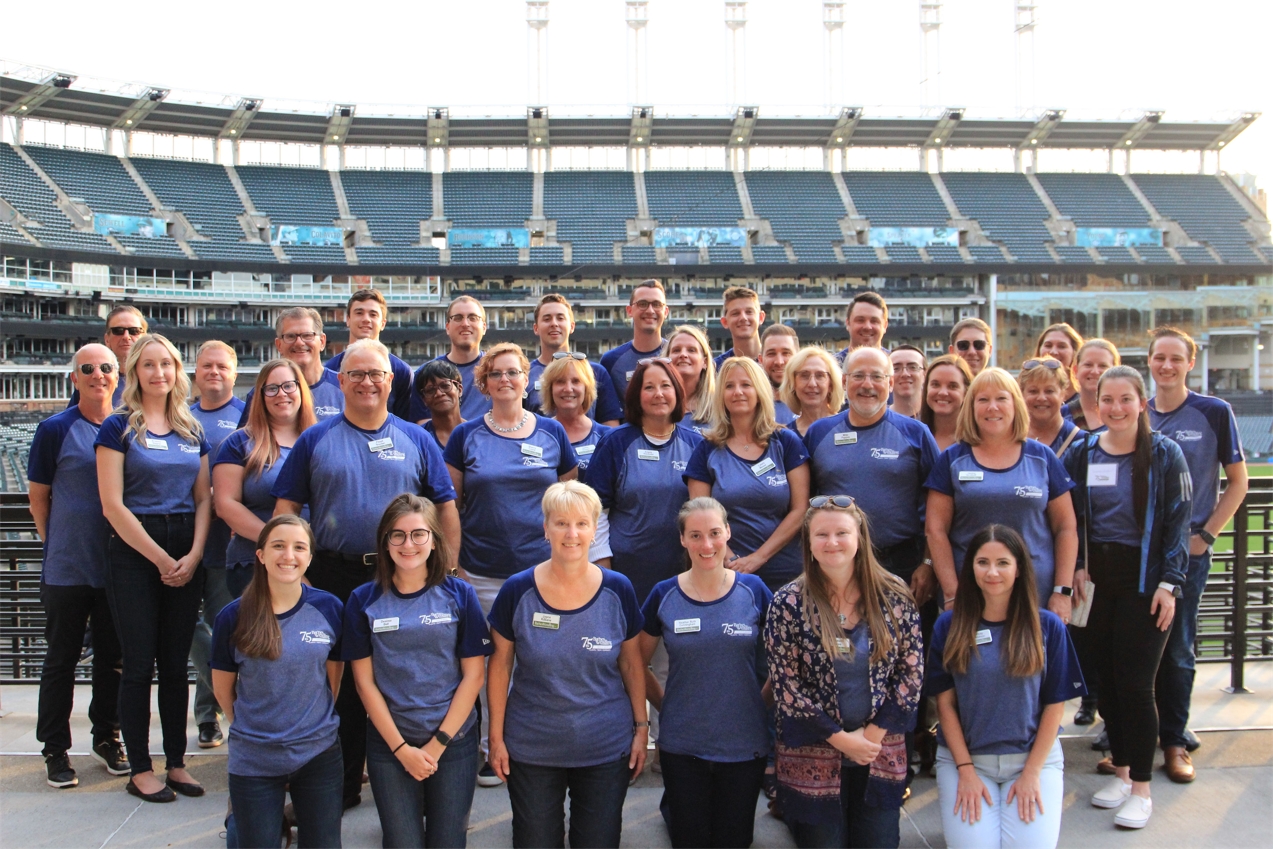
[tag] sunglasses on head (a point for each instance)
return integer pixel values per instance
(647, 360)
(820, 501)
(574, 355)
(965, 344)
(89, 368)
(1050, 364)
(120, 331)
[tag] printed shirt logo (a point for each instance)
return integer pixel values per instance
(316, 637)
(736, 629)
(325, 411)
(391, 454)
(680, 465)
(435, 618)
(534, 462)
(884, 454)
(596, 644)
(188, 449)
(227, 425)
(1028, 492)
(776, 480)
(1187, 435)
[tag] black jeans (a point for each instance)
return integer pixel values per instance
(538, 797)
(340, 575)
(67, 611)
(861, 826)
(1131, 646)
(709, 803)
(156, 625)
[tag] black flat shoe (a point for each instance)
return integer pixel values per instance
(1085, 715)
(162, 795)
(185, 788)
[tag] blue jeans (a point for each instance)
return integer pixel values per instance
(433, 812)
(538, 797)
(1174, 684)
(257, 802)
(1000, 824)
(861, 826)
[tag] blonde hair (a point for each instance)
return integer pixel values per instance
(702, 397)
(787, 392)
(1060, 374)
(571, 496)
(367, 345)
(557, 370)
(1105, 345)
(763, 423)
(1064, 328)
(487, 364)
(217, 345)
(176, 405)
(991, 378)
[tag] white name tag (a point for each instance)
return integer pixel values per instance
(377, 445)
(630, 374)
(843, 644)
(157, 444)
(539, 384)
(983, 636)
(972, 476)
(763, 466)
(532, 450)
(687, 626)
(850, 438)
(379, 625)
(647, 454)
(585, 449)
(1102, 474)
(551, 621)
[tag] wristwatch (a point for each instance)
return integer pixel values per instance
(1171, 588)
(1068, 591)
(1207, 537)
(442, 737)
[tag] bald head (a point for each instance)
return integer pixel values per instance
(91, 353)
(97, 388)
(868, 359)
(868, 379)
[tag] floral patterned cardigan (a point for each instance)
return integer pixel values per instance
(808, 709)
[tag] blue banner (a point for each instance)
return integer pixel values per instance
(916, 237)
(130, 225)
(1117, 237)
(699, 237)
(290, 234)
(488, 237)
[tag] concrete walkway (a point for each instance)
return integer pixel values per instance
(1231, 803)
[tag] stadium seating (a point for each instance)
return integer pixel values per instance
(1073, 253)
(693, 198)
(488, 199)
(291, 196)
(1007, 208)
(903, 253)
(1155, 255)
(945, 254)
(860, 253)
(1256, 433)
(1095, 200)
(373, 255)
(21, 187)
(1205, 209)
(803, 208)
(769, 254)
(897, 199)
(393, 203)
(590, 208)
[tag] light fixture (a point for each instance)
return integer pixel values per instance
(1128, 142)
(232, 132)
(129, 121)
(740, 138)
(537, 138)
(839, 138)
(436, 141)
(1220, 145)
(335, 138)
(639, 138)
(24, 107)
(937, 140)
(1034, 141)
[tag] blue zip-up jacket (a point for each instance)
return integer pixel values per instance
(1164, 546)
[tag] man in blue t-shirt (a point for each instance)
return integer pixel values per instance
(742, 317)
(866, 321)
(778, 344)
(465, 327)
(648, 310)
(299, 337)
(554, 322)
(124, 324)
(68, 517)
(1207, 433)
(366, 315)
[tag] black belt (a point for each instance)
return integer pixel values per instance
(344, 559)
(915, 544)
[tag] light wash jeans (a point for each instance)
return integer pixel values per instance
(1000, 825)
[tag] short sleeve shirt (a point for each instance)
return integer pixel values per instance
(241, 551)
(159, 471)
(473, 404)
(62, 458)
(621, 362)
(605, 408)
(217, 424)
(403, 377)
(1207, 432)
(586, 447)
(329, 401)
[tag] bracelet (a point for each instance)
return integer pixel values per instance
(399, 746)
(637, 725)
(961, 766)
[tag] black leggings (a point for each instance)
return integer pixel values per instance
(1129, 646)
(710, 803)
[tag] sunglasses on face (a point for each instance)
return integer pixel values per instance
(574, 355)
(965, 344)
(89, 368)
(820, 501)
(120, 331)
(1049, 364)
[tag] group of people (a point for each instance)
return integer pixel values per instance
(783, 565)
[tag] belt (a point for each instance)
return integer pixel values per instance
(915, 544)
(344, 559)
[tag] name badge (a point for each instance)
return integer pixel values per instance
(377, 445)
(647, 454)
(983, 636)
(630, 374)
(763, 466)
(687, 626)
(849, 438)
(585, 449)
(1102, 474)
(843, 644)
(539, 384)
(532, 450)
(551, 621)
(157, 444)
(972, 476)
(380, 625)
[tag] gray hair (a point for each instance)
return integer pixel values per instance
(290, 313)
(366, 345)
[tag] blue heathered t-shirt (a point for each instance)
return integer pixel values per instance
(641, 484)
(756, 496)
(504, 484)
(853, 678)
(159, 472)
(256, 493)
(586, 447)
(1017, 496)
(782, 413)
(284, 713)
(1110, 497)
(329, 401)
(999, 714)
(567, 706)
(217, 424)
(1207, 433)
(712, 707)
(416, 643)
(883, 466)
(473, 404)
(63, 458)
(400, 394)
(605, 408)
(334, 469)
(1067, 427)
(621, 362)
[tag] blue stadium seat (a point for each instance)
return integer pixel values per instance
(1206, 210)
(945, 254)
(1155, 255)
(295, 196)
(986, 253)
(1008, 210)
(903, 253)
(591, 209)
(1095, 200)
(725, 255)
(393, 203)
(638, 255)
(1196, 255)
(1074, 254)
(772, 254)
(547, 255)
(897, 199)
(804, 209)
(1117, 254)
(488, 198)
(396, 255)
(860, 254)
(20, 186)
(693, 198)
(483, 256)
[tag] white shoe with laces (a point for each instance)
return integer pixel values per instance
(1135, 812)
(1113, 794)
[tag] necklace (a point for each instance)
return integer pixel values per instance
(689, 583)
(659, 435)
(490, 420)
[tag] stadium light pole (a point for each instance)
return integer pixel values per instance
(1024, 24)
(637, 15)
(736, 22)
(833, 52)
(537, 51)
(930, 37)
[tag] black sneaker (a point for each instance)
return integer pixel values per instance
(210, 735)
(1101, 743)
(58, 772)
(111, 755)
(1192, 743)
(486, 776)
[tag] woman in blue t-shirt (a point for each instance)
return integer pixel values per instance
(248, 462)
(574, 717)
(757, 470)
(1045, 382)
(275, 667)
(714, 738)
(439, 385)
(418, 643)
(1002, 671)
(691, 356)
(152, 474)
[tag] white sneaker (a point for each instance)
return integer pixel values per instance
(1113, 795)
(1135, 812)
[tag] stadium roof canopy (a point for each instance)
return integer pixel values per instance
(50, 96)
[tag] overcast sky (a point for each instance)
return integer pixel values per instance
(1103, 58)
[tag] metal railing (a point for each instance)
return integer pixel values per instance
(1235, 621)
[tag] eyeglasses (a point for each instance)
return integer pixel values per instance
(89, 368)
(440, 387)
(645, 361)
(574, 355)
(307, 338)
(1051, 364)
(873, 377)
(910, 368)
(287, 387)
(965, 344)
(418, 537)
(642, 306)
(471, 318)
(511, 374)
(375, 375)
(820, 501)
(120, 331)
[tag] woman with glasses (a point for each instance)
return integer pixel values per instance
(1094, 358)
(418, 643)
(846, 662)
(812, 387)
(1045, 383)
(439, 385)
(691, 356)
(248, 463)
(945, 385)
(152, 475)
